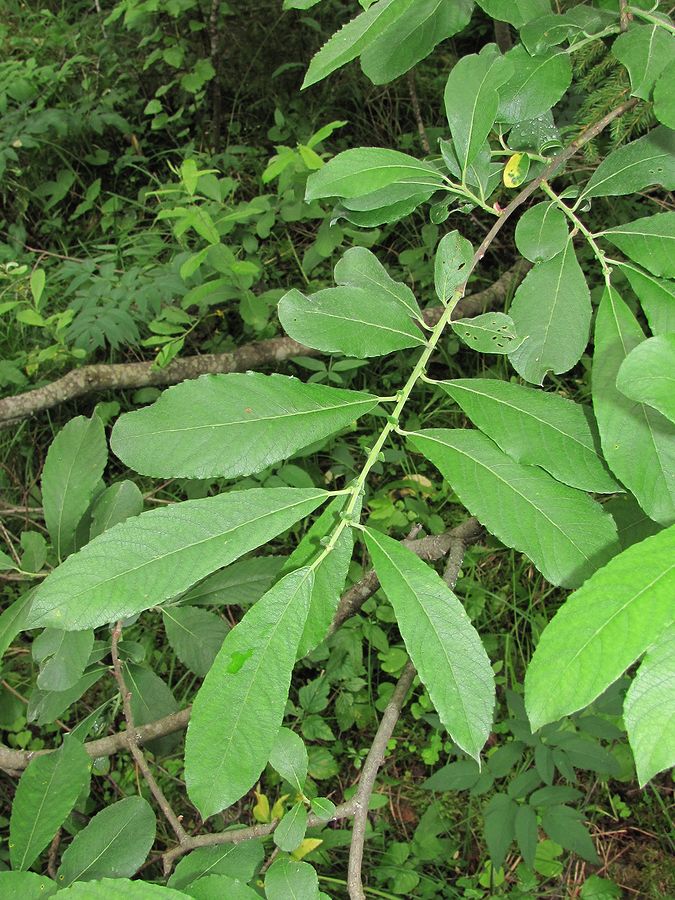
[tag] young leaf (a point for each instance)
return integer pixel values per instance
(471, 100)
(452, 265)
(565, 533)
(260, 419)
(645, 50)
(364, 170)
(113, 845)
(240, 861)
(602, 629)
(286, 878)
(63, 656)
(647, 374)
(45, 795)
(537, 83)
(656, 296)
(488, 333)
(649, 242)
(536, 428)
(443, 644)
(289, 758)
(229, 743)
(552, 311)
(359, 267)
(637, 441)
(649, 160)
(290, 832)
(159, 554)
(649, 710)
(346, 44)
(359, 322)
(195, 635)
(541, 232)
(118, 502)
(412, 37)
(75, 462)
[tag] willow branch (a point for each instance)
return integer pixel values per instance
(430, 548)
(254, 355)
(132, 742)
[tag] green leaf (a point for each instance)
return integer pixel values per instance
(159, 554)
(541, 232)
(664, 99)
(552, 311)
(649, 710)
(515, 12)
(240, 861)
(412, 37)
(364, 170)
(105, 888)
(323, 808)
(632, 523)
(27, 885)
(75, 462)
(539, 135)
(565, 533)
(525, 827)
(386, 205)
(359, 267)
(649, 242)
(452, 265)
(647, 374)
(565, 826)
(12, 620)
(637, 441)
(346, 44)
(218, 887)
(358, 322)
(195, 635)
(240, 584)
(45, 707)
(602, 629)
(113, 845)
(290, 832)
(499, 819)
(289, 759)
(45, 795)
(151, 699)
(536, 428)
(260, 419)
(63, 656)
(656, 296)
(645, 50)
(443, 644)
(648, 161)
(238, 710)
(117, 503)
(471, 100)
(457, 776)
(290, 880)
(537, 83)
(488, 333)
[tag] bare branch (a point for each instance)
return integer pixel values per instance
(254, 355)
(132, 743)
(625, 15)
(414, 99)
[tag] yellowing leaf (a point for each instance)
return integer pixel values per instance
(306, 847)
(516, 169)
(261, 810)
(278, 808)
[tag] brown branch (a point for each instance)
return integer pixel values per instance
(254, 355)
(414, 99)
(625, 15)
(132, 743)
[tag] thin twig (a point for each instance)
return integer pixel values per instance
(625, 15)
(53, 852)
(132, 741)
(414, 99)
